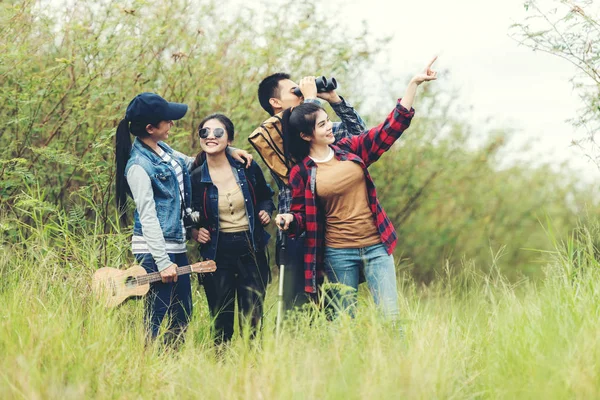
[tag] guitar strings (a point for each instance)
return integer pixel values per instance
(148, 278)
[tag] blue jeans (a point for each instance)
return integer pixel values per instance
(168, 299)
(344, 265)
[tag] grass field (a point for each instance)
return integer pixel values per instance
(467, 335)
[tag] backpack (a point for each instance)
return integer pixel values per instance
(267, 140)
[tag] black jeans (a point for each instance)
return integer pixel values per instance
(240, 271)
(293, 278)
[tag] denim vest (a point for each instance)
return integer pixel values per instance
(206, 200)
(167, 195)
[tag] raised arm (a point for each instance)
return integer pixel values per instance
(424, 76)
(351, 123)
(373, 143)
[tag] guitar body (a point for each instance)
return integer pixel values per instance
(113, 286)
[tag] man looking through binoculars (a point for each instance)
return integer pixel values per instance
(277, 93)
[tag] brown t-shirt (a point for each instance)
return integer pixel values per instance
(342, 191)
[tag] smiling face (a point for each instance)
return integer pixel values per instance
(323, 132)
(213, 145)
(161, 131)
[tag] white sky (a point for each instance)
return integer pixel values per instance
(507, 84)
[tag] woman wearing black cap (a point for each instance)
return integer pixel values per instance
(157, 178)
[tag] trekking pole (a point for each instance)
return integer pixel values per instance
(282, 257)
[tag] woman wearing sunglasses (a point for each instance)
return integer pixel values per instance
(234, 204)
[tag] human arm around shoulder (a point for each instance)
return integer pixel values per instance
(240, 155)
(351, 123)
(372, 144)
(143, 196)
(189, 161)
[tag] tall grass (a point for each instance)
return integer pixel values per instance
(467, 335)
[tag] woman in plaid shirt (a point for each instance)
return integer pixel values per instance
(334, 200)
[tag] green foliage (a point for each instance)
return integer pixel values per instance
(448, 198)
(62, 105)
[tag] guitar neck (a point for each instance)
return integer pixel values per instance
(155, 276)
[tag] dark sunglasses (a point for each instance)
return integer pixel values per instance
(217, 132)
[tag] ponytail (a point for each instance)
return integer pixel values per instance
(122, 150)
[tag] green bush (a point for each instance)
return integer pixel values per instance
(68, 73)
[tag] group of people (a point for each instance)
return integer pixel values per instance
(327, 206)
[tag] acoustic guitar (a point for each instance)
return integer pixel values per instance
(113, 286)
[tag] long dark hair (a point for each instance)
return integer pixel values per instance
(297, 120)
(122, 150)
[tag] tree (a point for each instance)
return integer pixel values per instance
(68, 71)
(569, 29)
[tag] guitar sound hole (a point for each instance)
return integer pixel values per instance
(130, 282)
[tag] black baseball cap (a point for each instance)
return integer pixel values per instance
(150, 107)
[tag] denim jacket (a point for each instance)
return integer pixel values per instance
(258, 196)
(167, 196)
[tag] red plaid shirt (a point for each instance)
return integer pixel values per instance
(363, 149)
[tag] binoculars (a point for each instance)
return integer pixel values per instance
(323, 85)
